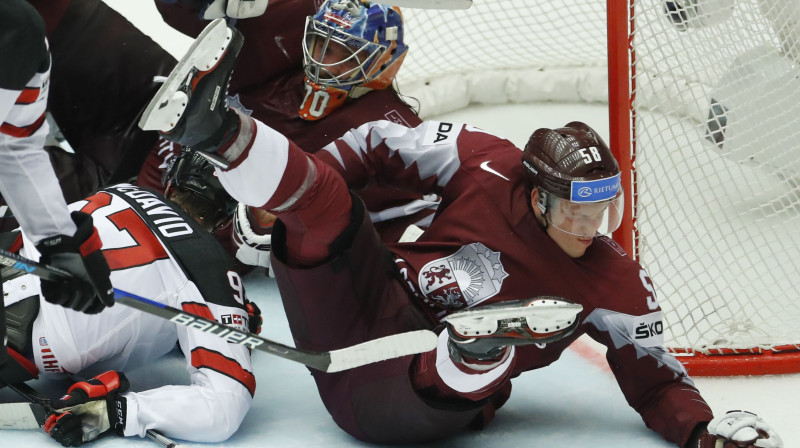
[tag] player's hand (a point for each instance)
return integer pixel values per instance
(235, 9)
(89, 410)
(484, 332)
(252, 235)
(254, 319)
(738, 429)
(89, 290)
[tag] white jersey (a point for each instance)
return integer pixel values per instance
(27, 180)
(156, 252)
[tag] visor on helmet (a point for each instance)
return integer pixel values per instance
(586, 219)
(595, 207)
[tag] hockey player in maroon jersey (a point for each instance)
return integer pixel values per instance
(27, 179)
(511, 227)
(311, 96)
(159, 252)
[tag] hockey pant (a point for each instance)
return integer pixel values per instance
(354, 297)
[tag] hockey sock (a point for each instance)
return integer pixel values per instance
(317, 218)
(270, 172)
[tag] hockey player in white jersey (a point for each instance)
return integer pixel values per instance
(27, 180)
(157, 251)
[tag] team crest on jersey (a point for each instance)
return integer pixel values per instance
(466, 278)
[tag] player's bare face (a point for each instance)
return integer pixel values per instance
(573, 245)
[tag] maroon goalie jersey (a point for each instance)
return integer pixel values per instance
(484, 246)
(267, 84)
(268, 78)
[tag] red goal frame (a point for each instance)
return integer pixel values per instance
(622, 121)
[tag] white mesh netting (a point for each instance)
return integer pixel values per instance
(717, 164)
(503, 51)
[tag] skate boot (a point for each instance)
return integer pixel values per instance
(483, 332)
(190, 107)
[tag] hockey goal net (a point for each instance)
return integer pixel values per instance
(704, 106)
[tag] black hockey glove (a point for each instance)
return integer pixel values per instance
(736, 429)
(254, 319)
(90, 289)
(482, 333)
(89, 410)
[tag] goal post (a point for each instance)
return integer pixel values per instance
(713, 145)
(704, 115)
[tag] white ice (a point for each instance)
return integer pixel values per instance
(573, 403)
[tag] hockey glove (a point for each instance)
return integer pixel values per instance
(89, 290)
(235, 9)
(483, 333)
(89, 410)
(737, 429)
(254, 319)
(253, 240)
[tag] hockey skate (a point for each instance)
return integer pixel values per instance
(190, 107)
(537, 320)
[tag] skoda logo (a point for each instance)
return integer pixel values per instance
(584, 192)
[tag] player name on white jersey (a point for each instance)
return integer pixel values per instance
(173, 225)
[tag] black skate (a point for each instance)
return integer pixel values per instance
(190, 108)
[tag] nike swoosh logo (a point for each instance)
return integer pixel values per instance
(485, 167)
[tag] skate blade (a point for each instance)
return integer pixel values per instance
(167, 106)
(542, 316)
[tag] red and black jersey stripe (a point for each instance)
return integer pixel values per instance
(24, 131)
(198, 309)
(203, 358)
(29, 95)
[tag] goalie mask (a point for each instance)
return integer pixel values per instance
(192, 183)
(577, 177)
(350, 47)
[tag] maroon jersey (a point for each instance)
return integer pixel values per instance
(268, 79)
(484, 245)
(268, 85)
(273, 40)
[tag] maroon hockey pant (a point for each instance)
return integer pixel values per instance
(350, 299)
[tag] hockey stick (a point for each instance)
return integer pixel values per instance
(32, 415)
(376, 350)
(428, 4)
(22, 415)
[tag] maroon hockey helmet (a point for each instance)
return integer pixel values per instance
(577, 176)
